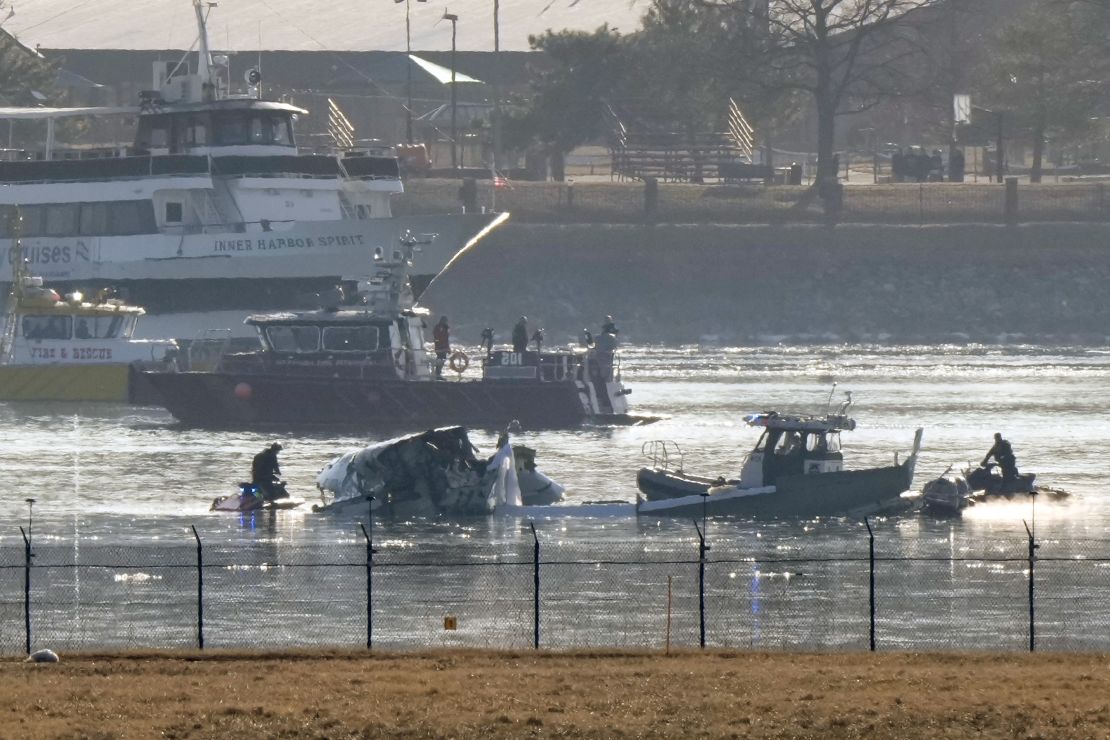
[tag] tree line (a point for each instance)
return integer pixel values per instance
(891, 66)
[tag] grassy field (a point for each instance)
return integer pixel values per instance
(582, 695)
(600, 201)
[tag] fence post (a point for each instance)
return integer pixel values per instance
(1032, 613)
(27, 555)
(369, 578)
(535, 587)
(871, 560)
(702, 550)
(200, 589)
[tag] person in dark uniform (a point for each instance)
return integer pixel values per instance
(520, 335)
(1004, 456)
(537, 337)
(265, 472)
(487, 341)
(609, 327)
(441, 336)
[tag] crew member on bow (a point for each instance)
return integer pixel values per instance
(520, 335)
(265, 472)
(441, 335)
(1004, 456)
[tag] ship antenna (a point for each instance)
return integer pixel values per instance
(828, 404)
(204, 53)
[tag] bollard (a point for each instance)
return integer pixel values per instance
(1011, 200)
(200, 590)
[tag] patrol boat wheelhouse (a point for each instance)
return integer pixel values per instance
(366, 365)
(213, 207)
(795, 469)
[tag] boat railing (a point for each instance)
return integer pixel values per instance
(663, 452)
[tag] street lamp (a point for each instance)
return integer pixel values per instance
(454, 108)
(496, 85)
(408, 68)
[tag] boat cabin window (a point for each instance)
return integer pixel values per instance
(47, 327)
(174, 212)
(97, 327)
(252, 127)
(61, 220)
(789, 443)
(351, 338)
(293, 338)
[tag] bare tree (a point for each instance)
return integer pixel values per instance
(847, 55)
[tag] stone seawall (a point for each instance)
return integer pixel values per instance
(676, 284)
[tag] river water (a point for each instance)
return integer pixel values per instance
(105, 475)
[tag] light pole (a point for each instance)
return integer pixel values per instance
(454, 107)
(408, 67)
(496, 86)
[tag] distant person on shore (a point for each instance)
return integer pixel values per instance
(898, 165)
(265, 472)
(537, 337)
(956, 166)
(1003, 454)
(441, 336)
(520, 335)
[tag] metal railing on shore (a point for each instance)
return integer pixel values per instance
(881, 591)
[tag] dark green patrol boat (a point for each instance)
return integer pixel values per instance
(795, 470)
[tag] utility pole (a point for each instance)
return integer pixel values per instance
(496, 86)
(408, 67)
(454, 97)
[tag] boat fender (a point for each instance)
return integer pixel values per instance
(459, 362)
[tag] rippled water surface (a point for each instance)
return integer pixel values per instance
(118, 473)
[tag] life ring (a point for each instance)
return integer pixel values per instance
(459, 362)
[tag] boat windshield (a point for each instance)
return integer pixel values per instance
(293, 338)
(98, 327)
(351, 338)
(47, 327)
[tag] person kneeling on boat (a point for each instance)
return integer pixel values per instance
(265, 473)
(1004, 456)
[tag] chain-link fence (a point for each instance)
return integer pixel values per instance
(880, 591)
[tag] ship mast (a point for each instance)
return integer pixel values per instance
(205, 62)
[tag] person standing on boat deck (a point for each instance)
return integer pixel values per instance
(537, 337)
(520, 335)
(265, 471)
(441, 335)
(1004, 456)
(487, 341)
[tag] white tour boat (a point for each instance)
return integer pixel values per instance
(212, 212)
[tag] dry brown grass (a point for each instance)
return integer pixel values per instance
(596, 695)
